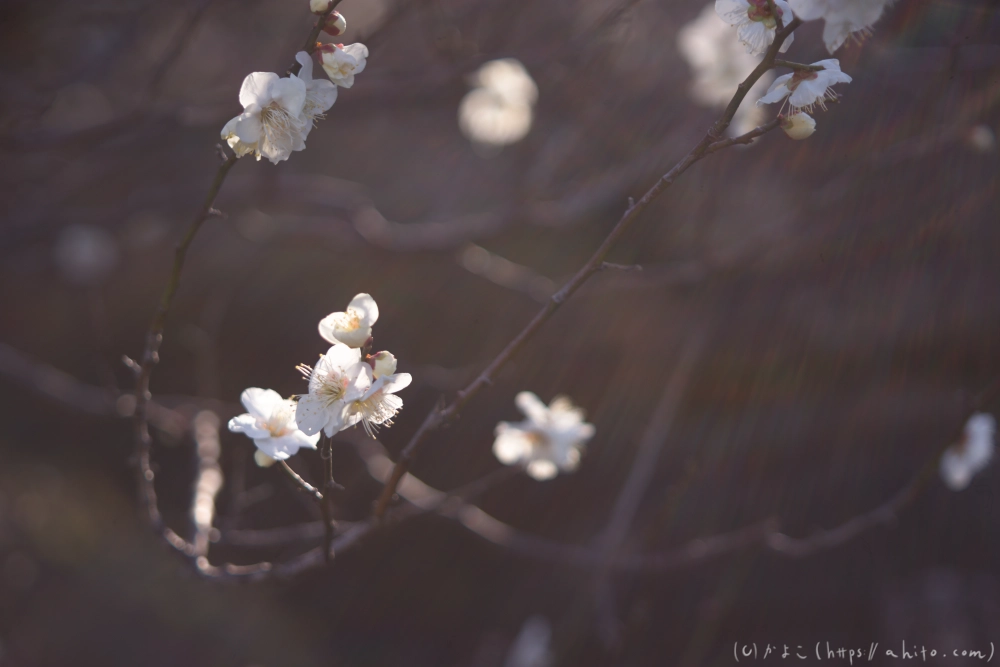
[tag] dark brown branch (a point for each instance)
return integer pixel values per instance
(442, 415)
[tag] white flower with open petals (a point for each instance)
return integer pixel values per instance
(548, 442)
(341, 63)
(961, 461)
(353, 326)
(270, 422)
(842, 18)
(340, 378)
(754, 23)
(805, 88)
(379, 404)
(320, 95)
(272, 121)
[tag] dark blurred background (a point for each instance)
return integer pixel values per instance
(846, 290)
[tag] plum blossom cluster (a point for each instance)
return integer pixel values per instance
(808, 86)
(280, 112)
(551, 439)
(349, 385)
(970, 455)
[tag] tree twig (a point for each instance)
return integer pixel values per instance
(440, 416)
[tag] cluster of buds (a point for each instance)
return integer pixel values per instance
(279, 112)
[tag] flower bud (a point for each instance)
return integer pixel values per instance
(320, 6)
(262, 459)
(799, 125)
(385, 364)
(335, 24)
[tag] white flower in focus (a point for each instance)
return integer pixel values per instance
(754, 23)
(799, 125)
(842, 18)
(270, 422)
(272, 122)
(379, 404)
(341, 63)
(85, 254)
(531, 648)
(805, 88)
(352, 327)
(961, 461)
(385, 364)
(339, 379)
(719, 64)
(549, 441)
(320, 6)
(499, 110)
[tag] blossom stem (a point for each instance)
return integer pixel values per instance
(708, 144)
(150, 356)
(306, 486)
(326, 453)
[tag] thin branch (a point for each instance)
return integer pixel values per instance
(306, 486)
(440, 416)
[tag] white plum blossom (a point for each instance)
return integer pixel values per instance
(842, 18)
(272, 122)
(499, 109)
(320, 95)
(549, 441)
(339, 379)
(379, 404)
(270, 422)
(961, 461)
(384, 364)
(754, 24)
(719, 64)
(352, 327)
(341, 62)
(799, 125)
(806, 88)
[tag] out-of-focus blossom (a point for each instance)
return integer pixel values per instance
(320, 6)
(339, 379)
(549, 441)
(379, 404)
(961, 461)
(85, 254)
(320, 95)
(352, 327)
(270, 422)
(982, 139)
(799, 125)
(842, 18)
(498, 111)
(719, 64)
(383, 363)
(805, 88)
(754, 23)
(342, 63)
(272, 123)
(531, 647)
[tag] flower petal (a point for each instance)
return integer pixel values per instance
(260, 402)
(248, 424)
(532, 407)
(256, 88)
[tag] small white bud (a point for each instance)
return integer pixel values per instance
(799, 125)
(335, 25)
(385, 364)
(263, 460)
(320, 6)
